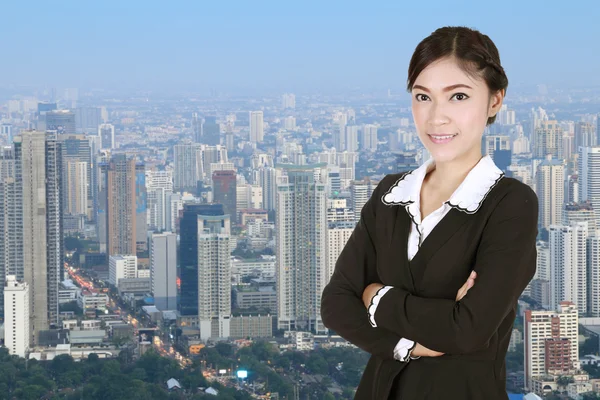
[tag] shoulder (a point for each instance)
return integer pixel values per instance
(512, 198)
(515, 193)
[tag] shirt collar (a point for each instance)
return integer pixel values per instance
(467, 198)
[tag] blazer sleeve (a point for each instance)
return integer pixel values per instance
(342, 308)
(505, 263)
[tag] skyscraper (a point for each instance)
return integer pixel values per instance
(568, 265)
(548, 140)
(119, 192)
(211, 131)
(256, 127)
(39, 174)
(159, 187)
(87, 119)
(11, 221)
(188, 254)
(17, 331)
(301, 248)
(369, 137)
(225, 192)
(550, 191)
(589, 176)
(214, 276)
(77, 188)
(107, 136)
(551, 342)
(61, 121)
(188, 166)
(163, 270)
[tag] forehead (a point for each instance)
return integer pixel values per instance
(447, 72)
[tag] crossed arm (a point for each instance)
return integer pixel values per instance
(505, 263)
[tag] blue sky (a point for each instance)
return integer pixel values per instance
(287, 45)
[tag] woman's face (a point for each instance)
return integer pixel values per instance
(451, 109)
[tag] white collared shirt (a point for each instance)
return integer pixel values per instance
(467, 198)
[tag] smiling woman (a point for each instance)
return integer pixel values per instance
(430, 278)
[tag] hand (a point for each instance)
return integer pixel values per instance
(462, 292)
(370, 292)
(422, 351)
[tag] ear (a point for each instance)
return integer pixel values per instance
(495, 102)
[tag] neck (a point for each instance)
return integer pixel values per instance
(449, 175)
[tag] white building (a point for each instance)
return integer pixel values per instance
(256, 126)
(589, 176)
(214, 276)
(550, 190)
(553, 331)
(121, 266)
(337, 237)
(17, 332)
(159, 188)
(92, 300)
(368, 139)
(163, 266)
(568, 265)
(301, 248)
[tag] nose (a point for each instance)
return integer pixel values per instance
(438, 115)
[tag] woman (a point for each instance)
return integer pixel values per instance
(429, 281)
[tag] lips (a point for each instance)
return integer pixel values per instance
(441, 138)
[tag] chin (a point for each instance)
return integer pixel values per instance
(444, 156)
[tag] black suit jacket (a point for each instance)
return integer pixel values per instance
(498, 242)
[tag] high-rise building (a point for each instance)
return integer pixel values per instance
(593, 273)
(188, 253)
(301, 226)
(584, 135)
(551, 342)
(77, 188)
(119, 195)
(78, 148)
(188, 166)
(122, 267)
(268, 181)
(225, 192)
(351, 142)
(568, 265)
(88, 119)
(61, 121)
(498, 148)
(589, 176)
(11, 225)
(214, 276)
(107, 136)
(368, 140)
(256, 126)
(338, 235)
(550, 191)
(211, 131)
(548, 140)
(196, 128)
(288, 100)
(39, 176)
(159, 187)
(163, 270)
(17, 332)
(360, 191)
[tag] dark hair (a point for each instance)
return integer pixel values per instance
(475, 53)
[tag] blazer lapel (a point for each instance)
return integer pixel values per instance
(442, 232)
(396, 270)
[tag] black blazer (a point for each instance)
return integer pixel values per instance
(498, 241)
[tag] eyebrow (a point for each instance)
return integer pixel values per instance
(446, 89)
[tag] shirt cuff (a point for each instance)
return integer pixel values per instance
(403, 350)
(374, 302)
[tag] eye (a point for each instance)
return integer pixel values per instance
(421, 97)
(460, 96)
